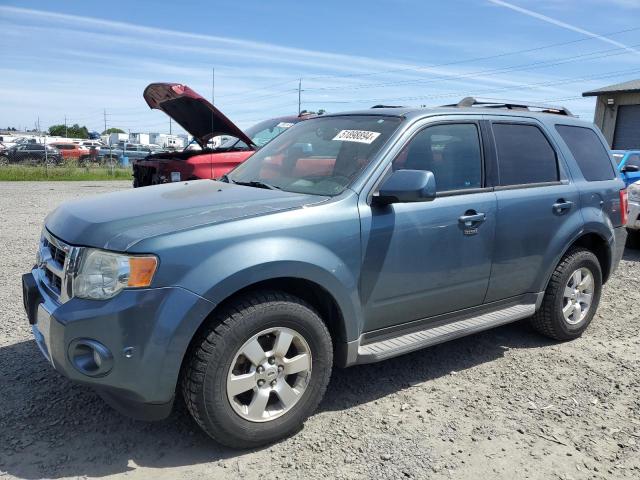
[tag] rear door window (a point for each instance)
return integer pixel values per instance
(588, 151)
(525, 155)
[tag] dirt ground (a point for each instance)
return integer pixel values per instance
(502, 404)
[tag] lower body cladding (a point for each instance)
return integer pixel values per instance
(129, 348)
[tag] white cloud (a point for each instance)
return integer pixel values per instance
(565, 25)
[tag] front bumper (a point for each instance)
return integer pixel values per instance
(141, 337)
(633, 222)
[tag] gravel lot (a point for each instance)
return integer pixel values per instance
(506, 403)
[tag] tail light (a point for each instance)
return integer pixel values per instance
(624, 206)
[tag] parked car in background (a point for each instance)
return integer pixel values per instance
(118, 153)
(349, 239)
(633, 222)
(628, 164)
(91, 143)
(72, 151)
(32, 154)
(203, 121)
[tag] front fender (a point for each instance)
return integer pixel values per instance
(246, 263)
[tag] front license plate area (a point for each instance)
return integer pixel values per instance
(175, 176)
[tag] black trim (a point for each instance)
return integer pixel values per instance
(148, 412)
(442, 319)
(491, 156)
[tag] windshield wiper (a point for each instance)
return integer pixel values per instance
(255, 183)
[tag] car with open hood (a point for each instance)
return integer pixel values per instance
(203, 121)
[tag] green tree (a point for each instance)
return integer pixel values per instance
(113, 130)
(74, 131)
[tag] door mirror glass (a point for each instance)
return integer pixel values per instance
(404, 186)
(630, 169)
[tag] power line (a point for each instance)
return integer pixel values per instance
(426, 67)
(513, 68)
(496, 90)
(476, 59)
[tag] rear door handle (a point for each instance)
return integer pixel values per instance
(469, 219)
(562, 206)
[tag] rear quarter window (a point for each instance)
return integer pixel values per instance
(525, 155)
(589, 152)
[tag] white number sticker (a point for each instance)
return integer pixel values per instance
(360, 136)
(175, 176)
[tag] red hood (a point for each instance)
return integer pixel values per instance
(194, 113)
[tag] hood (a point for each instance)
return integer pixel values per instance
(194, 113)
(117, 221)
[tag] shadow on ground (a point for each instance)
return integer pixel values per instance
(50, 427)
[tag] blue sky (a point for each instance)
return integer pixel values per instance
(78, 57)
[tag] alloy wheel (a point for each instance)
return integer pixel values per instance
(578, 296)
(269, 374)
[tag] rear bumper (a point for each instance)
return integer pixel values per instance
(139, 338)
(633, 223)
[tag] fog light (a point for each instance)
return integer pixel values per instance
(90, 357)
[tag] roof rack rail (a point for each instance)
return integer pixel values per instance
(509, 105)
(388, 106)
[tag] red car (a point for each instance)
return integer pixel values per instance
(203, 121)
(71, 151)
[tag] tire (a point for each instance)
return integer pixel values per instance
(216, 354)
(4, 160)
(550, 320)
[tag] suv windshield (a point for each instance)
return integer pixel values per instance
(261, 133)
(320, 156)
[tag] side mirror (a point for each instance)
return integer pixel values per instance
(404, 186)
(630, 169)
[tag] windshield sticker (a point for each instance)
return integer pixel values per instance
(284, 125)
(360, 136)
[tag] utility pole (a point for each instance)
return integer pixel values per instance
(169, 125)
(213, 85)
(299, 96)
(105, 120)
(66, 132)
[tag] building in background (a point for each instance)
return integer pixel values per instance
(618, 114)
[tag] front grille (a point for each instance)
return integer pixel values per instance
(54, 260)
(54, 281)
(58, 255)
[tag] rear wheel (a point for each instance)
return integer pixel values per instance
(572, 296)
(258, 370)
(4, 160)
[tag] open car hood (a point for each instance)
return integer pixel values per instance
(194, 113)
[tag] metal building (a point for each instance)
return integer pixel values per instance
(618, 114)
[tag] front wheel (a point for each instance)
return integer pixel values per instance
(258, 370)
(572, 296)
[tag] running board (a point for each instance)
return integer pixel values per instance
(415, 340)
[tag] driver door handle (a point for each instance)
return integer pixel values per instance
(562, 206)
(470, 219)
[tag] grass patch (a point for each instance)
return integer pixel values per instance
(16, 173)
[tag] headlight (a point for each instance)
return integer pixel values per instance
(634, 192)
(104, 274)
